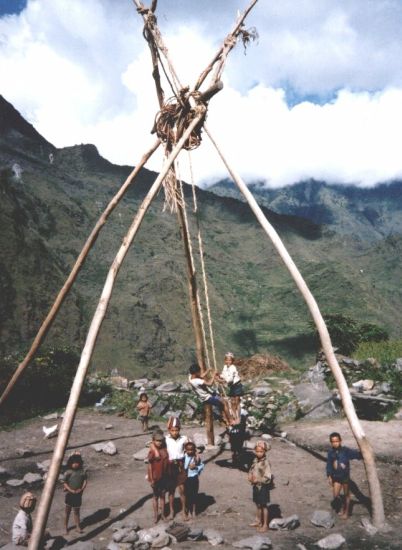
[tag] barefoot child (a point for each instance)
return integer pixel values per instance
(22, 524)
(158, 471)
(177, 474)
(193, 466)
(75, 481)
(260, 477)
(338, 470)
(143, 407)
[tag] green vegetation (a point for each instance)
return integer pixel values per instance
(346, 333)
(44, 386)
(385, 352)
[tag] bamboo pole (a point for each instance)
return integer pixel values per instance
(47, 323)
(196, 314)
(378, 515)
(69, 415)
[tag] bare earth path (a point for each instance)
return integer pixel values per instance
(117, 487)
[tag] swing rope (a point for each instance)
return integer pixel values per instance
(203, 270)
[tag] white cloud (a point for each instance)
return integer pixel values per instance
(81, 72)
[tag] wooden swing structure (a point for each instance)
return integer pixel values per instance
(178, 126)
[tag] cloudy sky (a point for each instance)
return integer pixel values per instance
(319, 95)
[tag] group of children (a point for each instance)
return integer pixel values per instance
(174, 463)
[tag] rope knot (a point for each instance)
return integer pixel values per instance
(173, 119)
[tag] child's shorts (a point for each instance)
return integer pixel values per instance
(214, 401)
(144, 419)
(160, 487)
(73, 500)
(236, 390)
(261, 495)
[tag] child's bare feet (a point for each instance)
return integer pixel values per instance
(255, 524)
(79, 530)
(344, 515)
(263, 529)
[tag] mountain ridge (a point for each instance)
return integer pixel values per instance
(49, 208)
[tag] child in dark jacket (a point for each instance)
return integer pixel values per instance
(338, 470)
(158, 473)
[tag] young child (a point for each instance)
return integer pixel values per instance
(22, 524)
(158, 472)
(143, 407)
(237, 436)
(202, 389)
(75, 481)
(177, 474)
(338, 471)
(230, 376)
(260, 477)
(193, 466)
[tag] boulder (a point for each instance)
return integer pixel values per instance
(331, 542)
(315, 400)
(322, 518)
(289, 523)
(109, 448)
(141, 455)
(24, 452)
(257, 542)
(15, 482)
(213, 537)
(161, 540)
(368, 526)
(363, 385)
(44, 466)
(32, 478)
(261, 391)
(168, 387)
(160, 407)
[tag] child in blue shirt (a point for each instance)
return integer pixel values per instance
(193, 466)
(338, 470)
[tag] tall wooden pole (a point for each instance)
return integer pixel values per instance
(193, 289)
(47, 323)
(71, 409)
(378, 515)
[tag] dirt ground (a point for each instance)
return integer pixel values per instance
(117, 487)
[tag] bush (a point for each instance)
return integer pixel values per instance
(43, 386)
(386, 352)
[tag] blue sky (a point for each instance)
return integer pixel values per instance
(319, 95)
(11, 6)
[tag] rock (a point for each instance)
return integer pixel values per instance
(168, 387)
(189, 412)
(24, 452)
(83, 545)
(32, 478)
(315, 400)
(109, 448)
(195, 534)
(126, 523)
(141, 545)
(113, 546)
(52, 416)
(161, 540)
(144, 535)
(363, 385)
(322, 518)
(15, 482)
(109, 427)
(170, 413)
(398, 364)
(398, 414)
(3, 471)
(213, 537)
(141, 455)
(368, 526)
(44, 466)
(50, 431)
(98, 447)
(266, 437)
(119, 381)
(119, 546)
(119, 534)
(257, 542)
(385, 387)
(289, 523)
(261, 391)
(331, 541)
(160, 407)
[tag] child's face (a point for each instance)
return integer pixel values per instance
(143, 397)
(75, 466)
(190, 450)
(158, 443)
(228, 360)
(174, 432)
(336, 442)
(259, 452)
